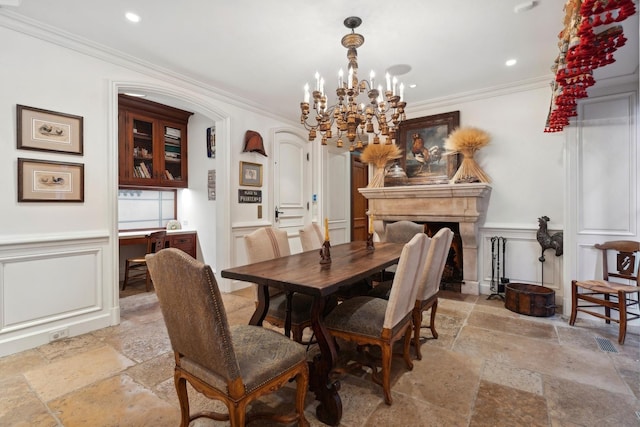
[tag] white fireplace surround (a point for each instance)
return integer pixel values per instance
(465, 204)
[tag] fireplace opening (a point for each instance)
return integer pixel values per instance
(452, 276)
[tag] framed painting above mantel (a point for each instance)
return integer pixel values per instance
(422, 143)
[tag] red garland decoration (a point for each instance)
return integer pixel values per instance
(582, 50)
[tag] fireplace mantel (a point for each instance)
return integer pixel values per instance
(465, 204)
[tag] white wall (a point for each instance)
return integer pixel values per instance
(526, 166)
(42, 74)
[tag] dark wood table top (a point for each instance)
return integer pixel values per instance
(302, 272)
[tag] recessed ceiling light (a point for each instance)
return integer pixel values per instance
(526, 6)
(133, 17)
(511, 62)
(399, 69)
(412, 85)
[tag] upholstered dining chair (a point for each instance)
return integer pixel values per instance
(234, 364)
(372, 321)
(268, 243)
(429, 284)
(394, 232)
(311, 237)
(401, 231)
(616, 289)
(136, 268)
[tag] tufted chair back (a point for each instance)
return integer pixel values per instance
(198, 331)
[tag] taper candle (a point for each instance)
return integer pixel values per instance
(326, 229)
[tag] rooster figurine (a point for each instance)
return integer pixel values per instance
(548, 241)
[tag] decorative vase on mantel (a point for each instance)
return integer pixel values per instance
(379, 155)
(468, 140)
(395, 176)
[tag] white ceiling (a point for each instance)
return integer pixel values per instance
(265, 51)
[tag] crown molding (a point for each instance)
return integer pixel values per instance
(50, 34)
(490, 92)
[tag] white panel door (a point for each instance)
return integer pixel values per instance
(292, 182)
(336, 180)
(603, 182)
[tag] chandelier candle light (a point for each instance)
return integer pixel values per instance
(350, 117)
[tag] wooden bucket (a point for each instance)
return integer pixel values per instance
(532, 300)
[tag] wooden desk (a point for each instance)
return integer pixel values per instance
(303, 273)
(181, 239)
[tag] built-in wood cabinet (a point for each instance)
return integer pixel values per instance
(184, 241)
(152, 144)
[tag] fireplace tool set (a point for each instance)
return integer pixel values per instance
(498, 281)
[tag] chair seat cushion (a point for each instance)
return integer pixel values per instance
(362, 315)
(262, 355)
(300, 307)
(606, 287)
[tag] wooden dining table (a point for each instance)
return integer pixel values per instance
(303, 272)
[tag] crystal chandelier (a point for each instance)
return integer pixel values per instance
(380, 115)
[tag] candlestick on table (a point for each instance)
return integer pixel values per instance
(325, 250)
(370, 245)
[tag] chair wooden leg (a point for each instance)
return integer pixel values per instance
(126, 275)
(387, 354)
(183, 398)
(407, 345)
(297, 333)
(147, 281)
(237, 414)
(574, 302)
(432, 325)
(302, 382)
(417, 322)
(607, 310)
(622, 310)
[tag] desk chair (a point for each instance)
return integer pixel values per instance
(284, 308)
(373, 321)
(136, 268)
(233, 364)
(614, 292)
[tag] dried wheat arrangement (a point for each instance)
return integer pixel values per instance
(379, 155)
(468, 140)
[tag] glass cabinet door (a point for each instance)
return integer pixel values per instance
(173, 153)
(143, 167)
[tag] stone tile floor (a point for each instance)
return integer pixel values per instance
(489, 367)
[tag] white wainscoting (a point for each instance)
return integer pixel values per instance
(521, 264)
(52, 289)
